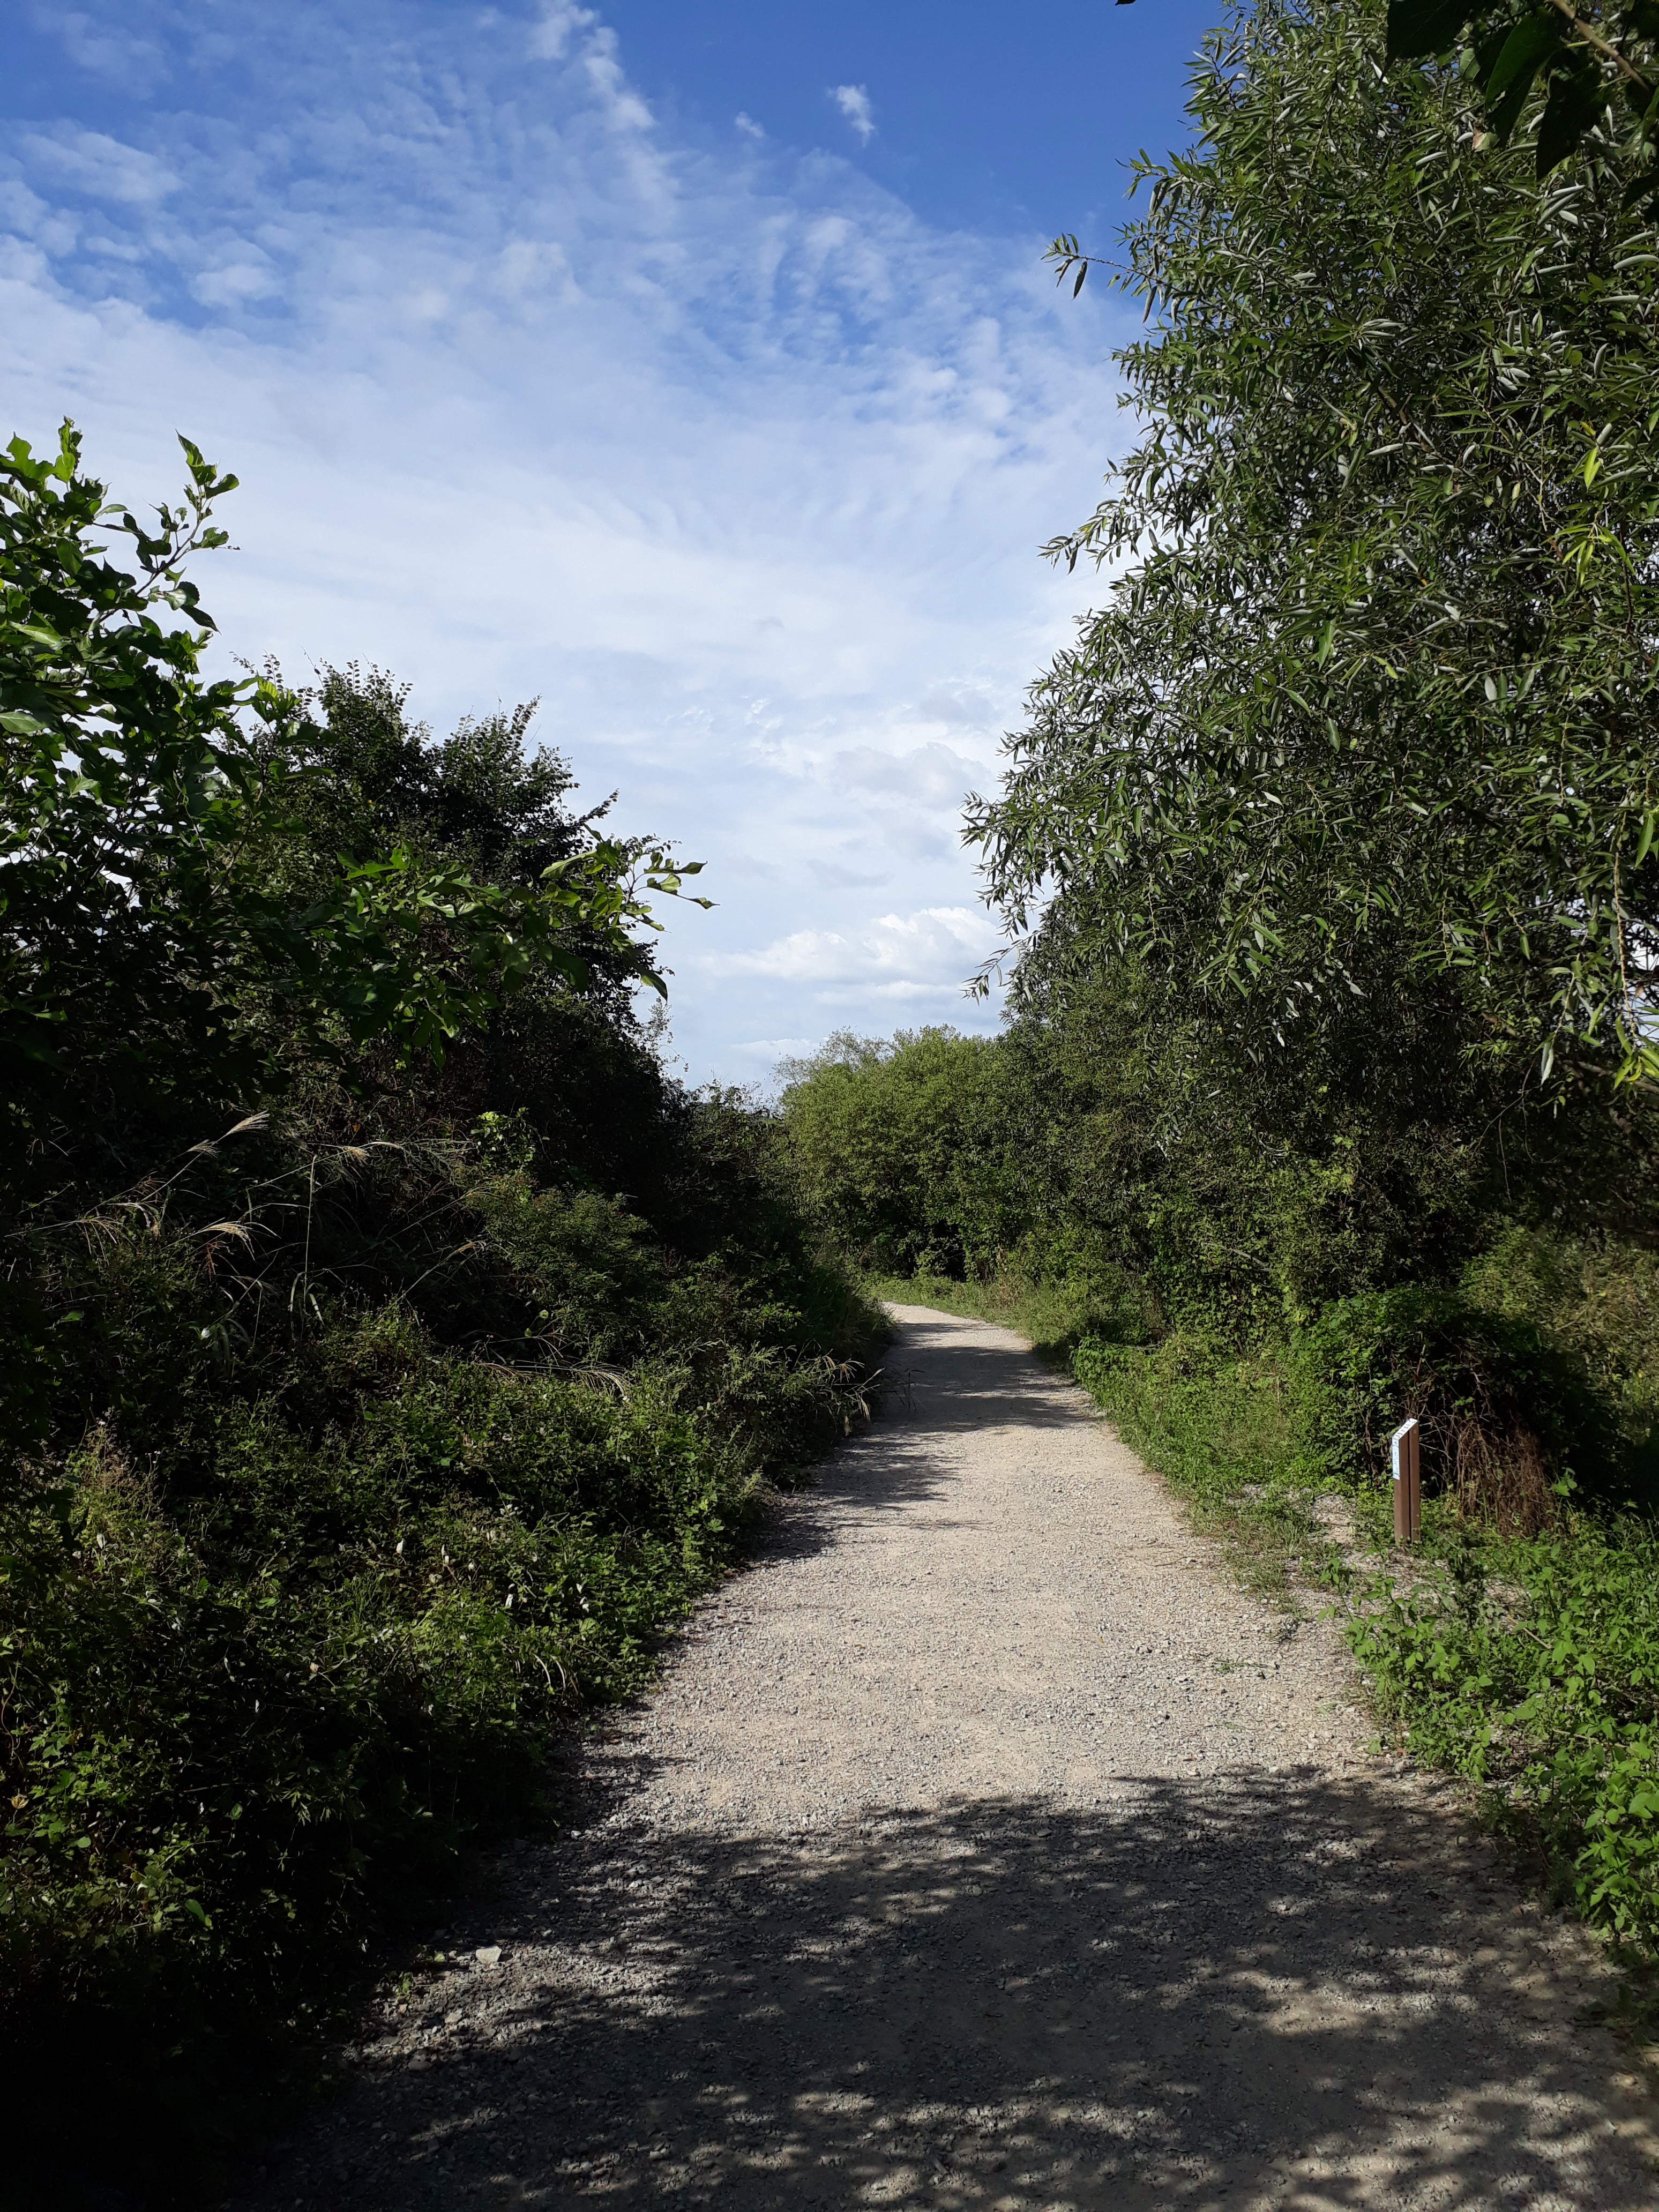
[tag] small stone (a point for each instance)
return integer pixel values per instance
(489, 1954)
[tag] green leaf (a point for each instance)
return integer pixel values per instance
(1507, 113)
(1577, 98)
(1417, 27)
(1527, 45)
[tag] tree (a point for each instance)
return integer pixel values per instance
(164, 925)
(1372, 708)
(1588, 59)
(894, 1148)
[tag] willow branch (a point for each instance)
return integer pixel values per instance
(1591, 37)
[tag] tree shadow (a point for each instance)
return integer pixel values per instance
(953, 1385)
(904, 1458)
(1298, 1989)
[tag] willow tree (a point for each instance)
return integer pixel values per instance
(1595, 61)
(1372, 702)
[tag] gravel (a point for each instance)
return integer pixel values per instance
(986, 1846)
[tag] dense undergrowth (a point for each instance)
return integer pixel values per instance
(308, 1578)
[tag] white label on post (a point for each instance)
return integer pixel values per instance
(1394, 1444)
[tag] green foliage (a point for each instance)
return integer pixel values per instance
(1512, 1421)
(1588, 58)
(1099, 1146)
(371, 780)
(366, 1466)
(169, 930)
(263, 1483)
(259, 1678)
(897, 1147)
(1592, 1296)
(1217, 1423)
(1532, 1668)
(113, 755)
(1367, 726)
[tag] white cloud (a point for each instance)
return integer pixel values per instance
(531, 265)
(853, 101)
(916, 952)
(103, 49)
(104, 168)
(733, 463)
(558, 23)
(25, 215)
(933, 777)
(239, 279)
(621, 105)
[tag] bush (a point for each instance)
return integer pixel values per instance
(251, 1705)
(1215, 1422)
(331, 1526)
(1510, 1423)
(1531, 1667)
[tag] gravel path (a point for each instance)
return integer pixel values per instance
(986, 1846)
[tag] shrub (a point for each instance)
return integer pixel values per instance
(327, 1530)
(1511, 1422)
(1532, 1668)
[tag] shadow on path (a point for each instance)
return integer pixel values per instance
(940, 1383)
(936, 1390)
(1280, 1989)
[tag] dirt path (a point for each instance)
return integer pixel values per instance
(986, 1847)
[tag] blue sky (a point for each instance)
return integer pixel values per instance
(689, 367)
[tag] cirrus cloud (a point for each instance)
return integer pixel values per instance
(716, 449)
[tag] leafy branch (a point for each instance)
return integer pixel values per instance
(1579, 52)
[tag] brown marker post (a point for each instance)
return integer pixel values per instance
(1407, 1483)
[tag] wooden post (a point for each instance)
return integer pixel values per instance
(1407, 1484)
